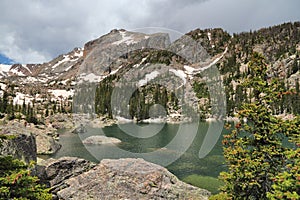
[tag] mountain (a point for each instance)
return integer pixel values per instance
(141, 70)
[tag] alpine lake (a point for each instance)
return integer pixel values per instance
(179, 154)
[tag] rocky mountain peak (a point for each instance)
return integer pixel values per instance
(121, 53)
(100, 53)
(126, 38)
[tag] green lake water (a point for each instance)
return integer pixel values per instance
(162, 138)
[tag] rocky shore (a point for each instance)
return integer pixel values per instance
(45, 137)
(76, 178)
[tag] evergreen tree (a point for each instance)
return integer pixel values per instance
(24, 108)
(4, 103)
(254, 150)
(16, 182)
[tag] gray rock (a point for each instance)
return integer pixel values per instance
(54, 172)
(101, 52)
(60, 121)
(129, 179)
(101, 139)
(189, 49)
(21, 146)
(46, 144)
(79, 129)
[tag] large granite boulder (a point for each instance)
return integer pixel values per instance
(54, 172)
(128, 179)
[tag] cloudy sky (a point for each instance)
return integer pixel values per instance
(35, 31)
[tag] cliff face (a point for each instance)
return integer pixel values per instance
(21, 146)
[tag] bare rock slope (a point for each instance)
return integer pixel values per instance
(129, 179)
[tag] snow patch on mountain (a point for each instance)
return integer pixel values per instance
(180, 74)
(3, 86)
(62, 94)
(125, 39)
(116, 70)
(16, 72)
(211, 64)
(20, 98)
(65, 59)
(148, 78)
(4, 68)
(188, 69)
(25, 66)
(92, 78)
(122, 120)
(80, 53)
(209, 36)
(68, 68)
(71, 57)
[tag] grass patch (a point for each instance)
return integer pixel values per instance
(206, 182)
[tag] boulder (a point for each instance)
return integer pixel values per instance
(79, 129)
(19, 145)
(44, 136)
(101, 139)
(46, 144)
(128, 179)
(54, 172)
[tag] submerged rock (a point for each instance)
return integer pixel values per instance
(80, 129)
(101, 139)
(128, 179)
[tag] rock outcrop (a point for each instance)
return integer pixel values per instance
(117, 179)
(19, 145)
(100, 53)
(44, 142)
(60, 121)
(54, 172)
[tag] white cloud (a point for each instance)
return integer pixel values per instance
(37, 31)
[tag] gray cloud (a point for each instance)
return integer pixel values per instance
(37, 31)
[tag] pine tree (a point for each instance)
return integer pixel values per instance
(16, 182)
(24, 108)
(4, 102)
(254, 151)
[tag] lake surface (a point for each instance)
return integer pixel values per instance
(175, 146)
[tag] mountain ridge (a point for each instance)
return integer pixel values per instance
(230, 53)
